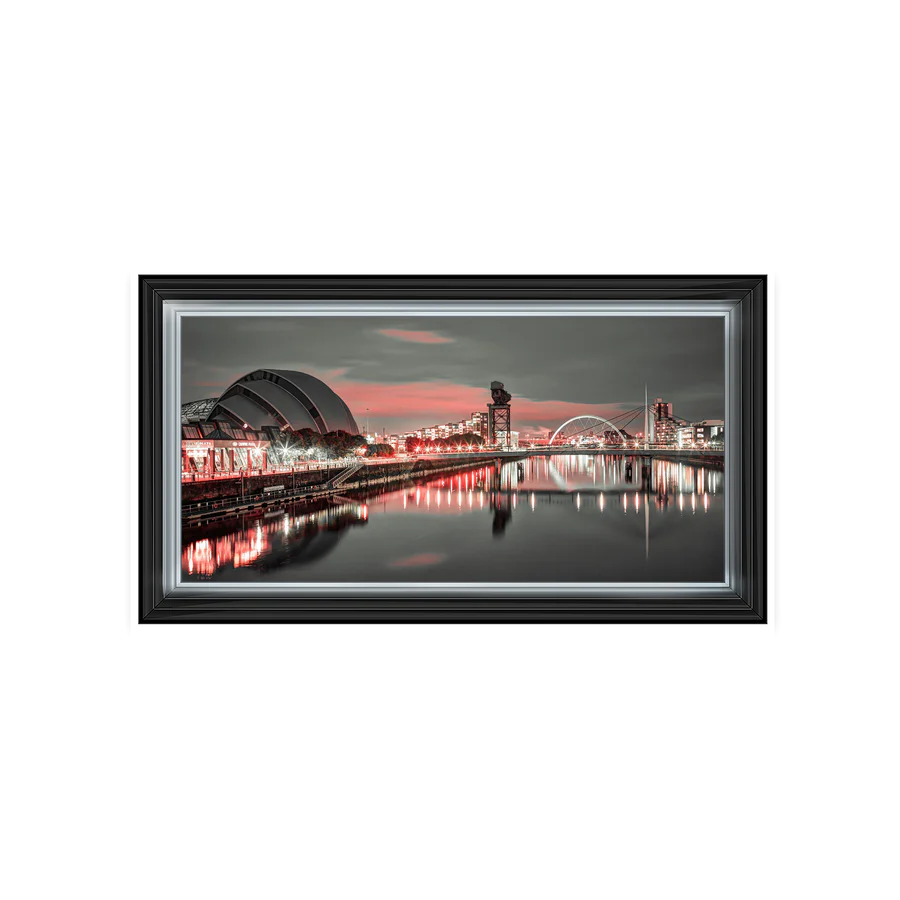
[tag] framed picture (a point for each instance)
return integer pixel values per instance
(452, 449)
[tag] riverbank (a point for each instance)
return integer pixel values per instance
(206, 501)
(714, 459)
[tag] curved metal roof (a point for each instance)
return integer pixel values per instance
(286, 399)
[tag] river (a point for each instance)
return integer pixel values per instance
(554, 518)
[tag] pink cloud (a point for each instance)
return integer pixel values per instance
(415, 337)
(420, 559)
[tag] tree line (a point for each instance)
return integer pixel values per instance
(380, 450)
(307, 443)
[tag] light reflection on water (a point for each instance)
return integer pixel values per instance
(544, 518)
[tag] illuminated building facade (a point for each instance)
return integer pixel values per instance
(218, 448)
(477, 423)
(664, 426)
(709, 432)
(233, 432)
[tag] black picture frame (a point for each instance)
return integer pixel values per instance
(746, 601)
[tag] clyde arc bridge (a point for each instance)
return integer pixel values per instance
(586, 430)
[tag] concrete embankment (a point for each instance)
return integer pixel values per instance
(231, 488)
(712, 458)
(695, 457)
(204, 501)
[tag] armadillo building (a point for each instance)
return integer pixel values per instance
(285, 399)
(251, 412)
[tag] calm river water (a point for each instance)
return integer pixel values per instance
(546, 518)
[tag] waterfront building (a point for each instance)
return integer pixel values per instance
(234, 431)
(710, 431)
(219, 448)
(279, 397)
(707, 432)
(664, 426)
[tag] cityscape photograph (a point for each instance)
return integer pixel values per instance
(453, 449)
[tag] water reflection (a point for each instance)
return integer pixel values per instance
(419, 559)
(300, 535)
(431, 528)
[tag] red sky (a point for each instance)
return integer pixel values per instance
(427, 403)
(435, 402)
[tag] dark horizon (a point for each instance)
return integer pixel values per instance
(412, 372)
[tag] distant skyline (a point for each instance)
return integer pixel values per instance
(412, 372)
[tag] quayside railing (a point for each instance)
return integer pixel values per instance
(341, 477)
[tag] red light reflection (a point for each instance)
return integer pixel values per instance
(246, 552)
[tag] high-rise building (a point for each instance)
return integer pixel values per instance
(665, 428)
(661, 409)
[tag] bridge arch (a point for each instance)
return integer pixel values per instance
(589, 421)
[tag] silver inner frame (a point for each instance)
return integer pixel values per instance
(176, 589)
